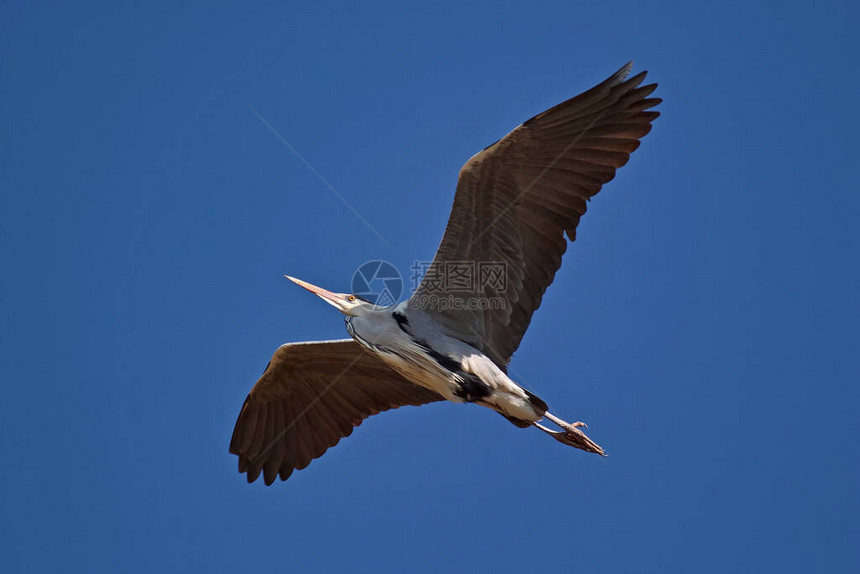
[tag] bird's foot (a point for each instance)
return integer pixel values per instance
(571, 435)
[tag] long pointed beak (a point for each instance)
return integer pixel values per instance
(324, 294)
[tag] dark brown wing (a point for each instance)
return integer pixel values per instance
(516, 200)
(311, 395)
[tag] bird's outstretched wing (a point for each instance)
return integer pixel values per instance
(310, 396)
(515, 201)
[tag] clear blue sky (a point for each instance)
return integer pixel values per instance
(704, 323)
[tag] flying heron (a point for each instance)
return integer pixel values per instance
(515, 202)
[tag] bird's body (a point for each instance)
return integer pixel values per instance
(414, 345)
(516, 201)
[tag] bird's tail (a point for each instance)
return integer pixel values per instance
(537, 405)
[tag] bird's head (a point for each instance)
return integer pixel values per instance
(346, 303)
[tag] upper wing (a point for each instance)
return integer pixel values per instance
(310, 396)
(515, 201)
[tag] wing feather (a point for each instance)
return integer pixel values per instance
(310, 396)
(518, 198)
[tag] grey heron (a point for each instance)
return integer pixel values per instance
(515, 202)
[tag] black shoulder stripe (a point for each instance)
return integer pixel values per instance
(402, 321)
(446, 361)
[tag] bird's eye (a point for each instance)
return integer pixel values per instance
(351, 298)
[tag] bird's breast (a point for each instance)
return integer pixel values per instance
(417, 359)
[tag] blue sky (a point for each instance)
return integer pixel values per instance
(704, 323)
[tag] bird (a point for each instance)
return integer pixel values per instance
(517, 205)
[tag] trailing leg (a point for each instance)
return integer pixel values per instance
(570, 434)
